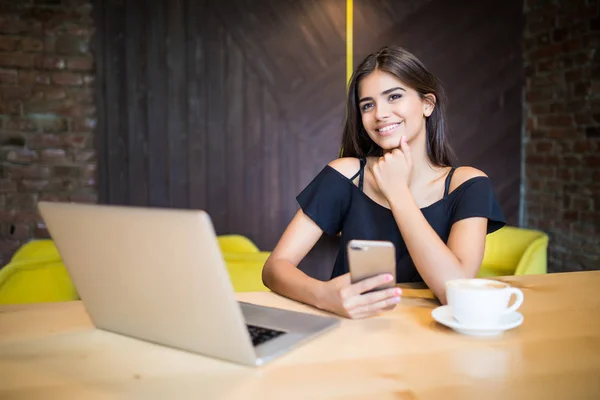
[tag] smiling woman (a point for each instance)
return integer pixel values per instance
(394, 183)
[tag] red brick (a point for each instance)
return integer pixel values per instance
(565, 173)
(54, 155)
(17, 231)
(8, 107)
(84, 197)
(40, 231)
(583, 146)
(547, 51)
(7, 185)
(89, 79)
(80, 63)
(557, 108)
(67, 78)
(16, 60)
(544, 147)
(84, 156)
(20, 124)
(76, 140)
(8, 76)
(49, 44)
(557, 133)
(539, 109)
(7, 249)
(72, 44)
(33, 171)
(583, 118)
(592, 161)
(34, 185)
(54, 197)
(45, 140)
(592, 132)
(545, 65)
(540, 94)
(66, 171)
(50, 62)
(77, 110)
(575, 75)
(12, 25)
(50, 123)
(33, 77)
(15, 92)
(53, 93)
(81, 95)
(83, 124)
(558, 120)
(31, 45)
(22, 156)
(21, 201)
(581, 89)
(572, 45)
(8, 43)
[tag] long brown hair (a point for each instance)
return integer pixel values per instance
(407, 68)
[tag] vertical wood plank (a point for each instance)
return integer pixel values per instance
(217, 109)
(271, 187)
(177, 134)
(99, 42)
(197, 16)
(157, 105)
(254, 160)
(136, 85)
(237, 209)
(116, 107)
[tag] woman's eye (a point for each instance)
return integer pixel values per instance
(395, 96)
(365, 107)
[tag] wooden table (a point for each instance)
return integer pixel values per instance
(52, 351)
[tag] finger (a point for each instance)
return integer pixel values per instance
(368, 284)
(406, 149)
(353, 302)
(377, 307)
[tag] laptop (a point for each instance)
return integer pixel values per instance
(158, 275)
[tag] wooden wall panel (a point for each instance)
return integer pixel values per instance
(474, 48)
(234, 106)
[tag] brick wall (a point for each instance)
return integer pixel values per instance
(46, 112)
(562, 132)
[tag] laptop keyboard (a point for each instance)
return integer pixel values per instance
(260, 335)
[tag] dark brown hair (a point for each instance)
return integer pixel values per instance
(407, 68)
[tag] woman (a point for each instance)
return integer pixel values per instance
(395, 182)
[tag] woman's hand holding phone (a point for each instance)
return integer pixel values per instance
(359, 300)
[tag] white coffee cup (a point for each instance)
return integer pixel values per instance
(481, 302)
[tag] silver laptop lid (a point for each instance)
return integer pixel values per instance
(154, 274)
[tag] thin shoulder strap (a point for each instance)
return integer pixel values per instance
(363, 161)
(448, 179)
(361, 173)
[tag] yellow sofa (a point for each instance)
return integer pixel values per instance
(36, 272)
(515, 251)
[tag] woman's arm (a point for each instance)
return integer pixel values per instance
(280, 272)
(436, 261)
(338, 295)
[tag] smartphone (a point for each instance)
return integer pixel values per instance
(367, 258)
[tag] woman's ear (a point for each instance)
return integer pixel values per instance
(428, 104)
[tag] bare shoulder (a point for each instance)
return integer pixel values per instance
(463, 174)
(347, 166)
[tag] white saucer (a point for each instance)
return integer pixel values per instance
(443, 315)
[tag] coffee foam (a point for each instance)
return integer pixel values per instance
(475, 284)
